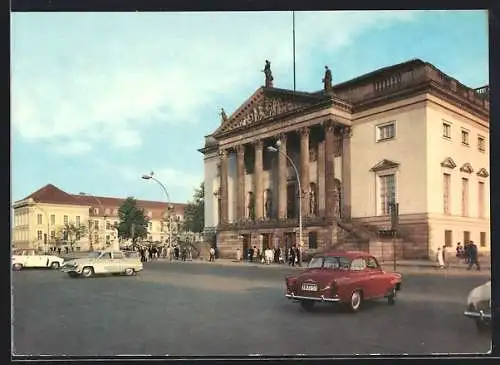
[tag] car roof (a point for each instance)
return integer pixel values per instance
(348, 254)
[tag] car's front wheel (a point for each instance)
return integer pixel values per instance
(354, 304)
(55, 265)
(88, 272)
(129, 272)
(307, 304)
(17, 267)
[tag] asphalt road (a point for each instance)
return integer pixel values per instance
(193, 309)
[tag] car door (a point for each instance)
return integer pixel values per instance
(32, 259)
(117, 262)
(377, 278)
(360, 277)
(104, 263)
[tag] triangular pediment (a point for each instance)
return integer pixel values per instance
(266, 104)
(467, 168)
(384, 165)
(448, 163)
(483, 172)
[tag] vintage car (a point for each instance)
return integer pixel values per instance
(102, 263)
(30, 258)
(479, 306)
(347, 278)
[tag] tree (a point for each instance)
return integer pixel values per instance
(194, 213)
(70, 232)
(133, 222)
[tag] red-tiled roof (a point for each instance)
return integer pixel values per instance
(52, 195)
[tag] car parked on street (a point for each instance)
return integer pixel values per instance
(102, 263)
(30, 258)
(348, 278)
(479, 306)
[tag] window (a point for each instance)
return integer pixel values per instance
(466, 236)
(387, 193)
(39, 219)
(96, 224)
(371, 263)
(53, 219)
(77, 221)
(118, 255)
(446, 130)
(108, 225)
(465, 138)
(481, 144)
(91, 225)
(482, 239)
(448, 238)
(52, 234)
(65, 219)
(358, 265)
(107, 211)
(446, 193)
(465, 197)
(39, 235)
(96, 211)
(480, 191)
(385, 132)
(106, 256)
(77, 236)
(313, 240)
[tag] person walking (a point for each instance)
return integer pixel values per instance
(212, 254)
(440, 258)
(238, 254)
(473, 256)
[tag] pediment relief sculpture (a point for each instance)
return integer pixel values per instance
(483, 172)
(384, 165)
(467, 168)
(448, 163)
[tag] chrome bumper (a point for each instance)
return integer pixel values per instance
(483, 316)
(320, 299)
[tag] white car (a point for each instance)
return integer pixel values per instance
(30, 258)
(479, 306)
(103, 262)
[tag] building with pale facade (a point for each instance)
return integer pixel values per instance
(40, 218)
(407, 134)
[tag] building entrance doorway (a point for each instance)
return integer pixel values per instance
(289, 242)
(246, 245)
(267, 241)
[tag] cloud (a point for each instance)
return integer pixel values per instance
(73, 148)
(78, 78)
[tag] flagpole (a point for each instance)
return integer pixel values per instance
(293, 30)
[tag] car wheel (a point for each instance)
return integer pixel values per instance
(88, 272)
(391, 299)
(129, 272)
(73, 275)
(307, 304)
(482, 326)
(17, 267)
(55, 265)
(355, 301)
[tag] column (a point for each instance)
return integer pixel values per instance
(304, 169)
(282, 178)
(259, 202)
(346, 172)
(223, 187)
(329, 169)
(240, 182)
(320, 165)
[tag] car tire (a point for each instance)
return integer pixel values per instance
(355, 301)
(88, 272)
(391, 298)
(129, 272)
(55, 265)
(307, 304)
(17, 267)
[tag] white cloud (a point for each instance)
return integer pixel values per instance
(138, 68)
(73, 148)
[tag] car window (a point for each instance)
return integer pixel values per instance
(331, 262)
(106, 255)
(117, 255)
(315, 263)
(371, 263)
(358, 264)
(345, 263)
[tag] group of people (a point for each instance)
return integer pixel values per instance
(468, 253)
(272, 255)
(178, 253)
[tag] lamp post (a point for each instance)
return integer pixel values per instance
(91, 248)
(276, 149)
(170, 207)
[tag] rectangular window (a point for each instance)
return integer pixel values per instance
(52, 234)
(108, 225)
(481, 144)
(448, 238)
(53, 219)
(482, 239)
(466, 236)
(480, 199)
(446, 130)
(96, 224)
(39, 235)
(387, 193)
(39, 219)
(313, 240)
(386, 131)
(91, 225)
(465, 197)
(446, 193)
(465, 138)
(65, 219)
(77, 221)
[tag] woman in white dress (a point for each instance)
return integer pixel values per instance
(440, 258)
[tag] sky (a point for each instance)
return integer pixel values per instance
(99, 99)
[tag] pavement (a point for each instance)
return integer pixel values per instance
(200, 308)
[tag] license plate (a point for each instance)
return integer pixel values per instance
(309, 287)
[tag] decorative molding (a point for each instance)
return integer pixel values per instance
(282, 137)
(346, 131)
(329, 125)
(259, 144)
(448, 163)
(240, 149)
(483, 172)
(304, 131)
(384, 165)
(467, 168)
(223, 153)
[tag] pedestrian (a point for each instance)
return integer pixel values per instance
(176, 252)
(459, 252)
(291, 257)
(183, 254)
(445, 258)
(467, 252)
(212, 254)
(473, 256)
(59, 250)
(142, 252)
(251, 252)
(440, 258)
(238, 254)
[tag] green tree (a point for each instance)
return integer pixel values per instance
(194, 213)
(71, 233)
(133, 222)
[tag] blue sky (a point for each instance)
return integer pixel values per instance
(98, 99)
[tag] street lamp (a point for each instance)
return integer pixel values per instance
(276, 149)
(170, 207)
(104, 214)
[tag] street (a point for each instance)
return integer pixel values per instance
(191, 308)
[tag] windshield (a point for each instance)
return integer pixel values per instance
(315, 263)
(329, 262)
(94, 255)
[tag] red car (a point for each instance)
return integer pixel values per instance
(348, 278)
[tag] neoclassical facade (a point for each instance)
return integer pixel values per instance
(406, 134)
